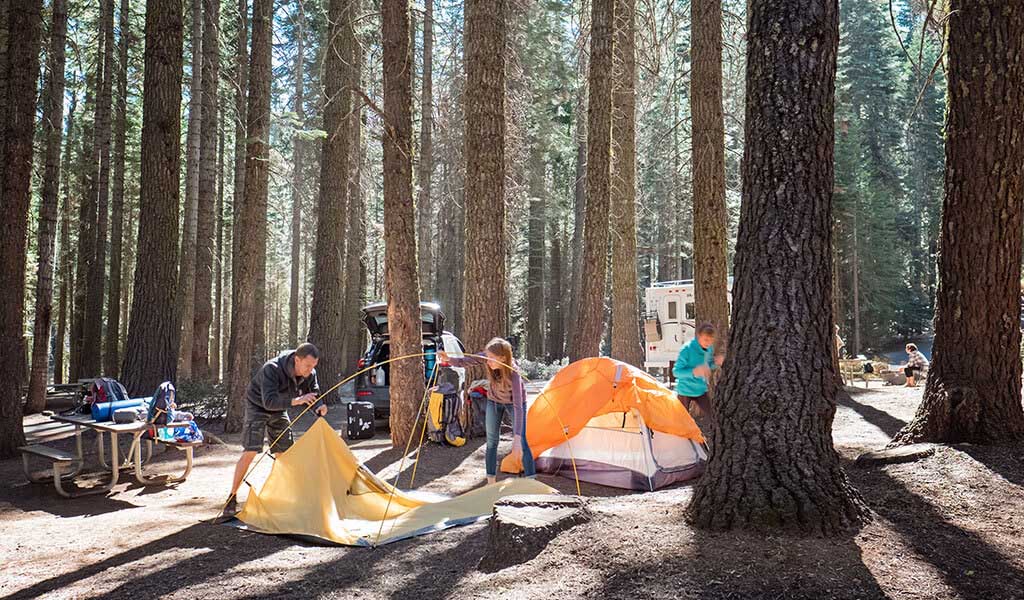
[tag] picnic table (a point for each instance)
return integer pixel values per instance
(76, 462)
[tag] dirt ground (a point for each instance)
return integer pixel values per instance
(948, 526)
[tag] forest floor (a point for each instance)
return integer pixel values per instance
(948, 526)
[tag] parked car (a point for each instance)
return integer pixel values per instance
(374, 385)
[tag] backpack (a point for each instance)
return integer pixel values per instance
(104, 390)
(442, 419)
(161, 405)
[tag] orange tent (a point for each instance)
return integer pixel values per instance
(607, 401)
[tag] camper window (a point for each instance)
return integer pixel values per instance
(691, 314)
(673, 311)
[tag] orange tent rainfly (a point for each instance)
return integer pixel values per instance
(616, 423)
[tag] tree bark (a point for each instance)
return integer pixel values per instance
(485, 300)
(151, 351)
(327, 311)
(298, 170)
(973, 393)
(111, 343)
(625, 300)
(193, 152)
(219, 270)
(773, 465)
(86, 223)
(579, 214)
(355, 245)
(401, 277)
(535, 259)
(590, 319)
(206, 219)
(52, 125)
(64, 246)
(710, 219)
(556, 308)
(241, 76)
(257, 156)
(21, 71)
(92, 326)
(424, 205)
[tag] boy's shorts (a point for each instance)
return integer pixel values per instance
(259, 424)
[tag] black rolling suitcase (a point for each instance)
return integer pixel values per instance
(360, 420)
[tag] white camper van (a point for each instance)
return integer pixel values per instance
(669, 322)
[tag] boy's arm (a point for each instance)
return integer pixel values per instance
(682, 367)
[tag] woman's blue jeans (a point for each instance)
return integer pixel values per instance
(494, 413)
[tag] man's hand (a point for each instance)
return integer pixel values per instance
(307, 399)
(720, 359)
(322, 410)
(702, 371)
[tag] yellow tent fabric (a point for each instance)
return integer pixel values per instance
(318, 488)
(593, 387)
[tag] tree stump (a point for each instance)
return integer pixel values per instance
(899, 454)
(521, 527)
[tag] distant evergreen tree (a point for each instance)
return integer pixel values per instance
(871, 254)
(922, 105)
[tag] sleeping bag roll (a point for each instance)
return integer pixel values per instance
(104, 411)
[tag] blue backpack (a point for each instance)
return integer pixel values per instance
(161, 404)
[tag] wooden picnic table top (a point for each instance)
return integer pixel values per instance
(110, 426)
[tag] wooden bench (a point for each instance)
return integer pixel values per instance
(58, 459)
(853, 368)
(186, 447)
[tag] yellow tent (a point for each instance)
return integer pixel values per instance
(319, 489)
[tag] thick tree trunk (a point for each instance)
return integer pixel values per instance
(772, 463)
(241, 77)
(92, 326)
(298, 170)
(451, 258)
(52, 125)
(973, 392)
(355, 245)
(243, 359)
(625, 300)
(401, 277)
(535, 260)
(327, 311)
(20, 74)
(486, 281)
(424, 205)
(218, 270)
(206, 223)
(579, 215)
(86, 223)
(193, 154)
(151, 350)
(64, 246)
(556, 308)
(590, 317)
(111, 343)
(710, 219)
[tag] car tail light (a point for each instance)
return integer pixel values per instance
(364, 393)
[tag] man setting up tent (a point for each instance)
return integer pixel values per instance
(285, 381)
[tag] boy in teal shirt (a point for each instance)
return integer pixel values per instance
(693, 367)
